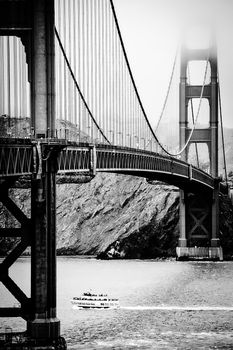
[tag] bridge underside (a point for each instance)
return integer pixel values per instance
(170, 179)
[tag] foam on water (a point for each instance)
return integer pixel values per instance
(178, 308)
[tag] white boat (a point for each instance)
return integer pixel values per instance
(90, 300)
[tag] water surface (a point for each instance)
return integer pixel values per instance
(164, 305)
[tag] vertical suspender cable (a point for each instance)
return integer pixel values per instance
(1, 77)
(75, 60)
(99, 65)
(116, 87)
(110, 73)
(138, 97)
(95, 105)
(118, 94)
(124, 106)
(103, 61)
(70, 92)
(122, 102)
(113, 83)
(129, 69)
(77, 86)
(65, 77)
(168, 90)
(193, 120)
(88, 66)
(8, 75)
(83, 126)
(91, 68)
(107, 67)
(79, 68)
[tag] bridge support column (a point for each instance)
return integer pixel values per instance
(44, 327)
(215, 219)
(43, 268)
(182, 240)
(43, 76)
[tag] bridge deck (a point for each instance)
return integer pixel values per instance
(22, 157)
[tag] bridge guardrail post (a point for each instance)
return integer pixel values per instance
(183, 239)
(93, 159)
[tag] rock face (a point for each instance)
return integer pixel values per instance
(91, 217)
(114, 208)
(117, 216)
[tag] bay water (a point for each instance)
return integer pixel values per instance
(163, 304)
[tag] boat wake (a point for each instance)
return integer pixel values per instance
(179, 308)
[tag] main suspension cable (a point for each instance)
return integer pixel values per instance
(197, 115)
(192, 112)
(138, 97)
(168, 89)
(130, 71)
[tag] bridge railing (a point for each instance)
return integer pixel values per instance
(20, 157)
(16, 158)
(126, 159)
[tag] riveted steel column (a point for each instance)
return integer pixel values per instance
(214, 114)
(214, 147)
(182, 239)
(43, 84)
(44, 324)
(183, 124)
(215, 242)
(183, 115)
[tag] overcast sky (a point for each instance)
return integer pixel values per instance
(151, 31)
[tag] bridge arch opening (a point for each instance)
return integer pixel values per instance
(199, 156)
(203, 120)
(196, 72)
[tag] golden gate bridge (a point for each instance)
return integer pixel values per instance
(69, 104)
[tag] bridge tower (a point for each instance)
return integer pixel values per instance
(199, 212)
(33, 23)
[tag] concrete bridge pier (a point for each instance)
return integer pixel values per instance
(199, 226)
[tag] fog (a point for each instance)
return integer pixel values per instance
(152, 30)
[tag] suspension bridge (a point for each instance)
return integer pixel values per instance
(69, 104)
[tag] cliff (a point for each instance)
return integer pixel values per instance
(93, 216)
(116, 208)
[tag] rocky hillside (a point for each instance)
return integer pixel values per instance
(116, 208)
(92, 217)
